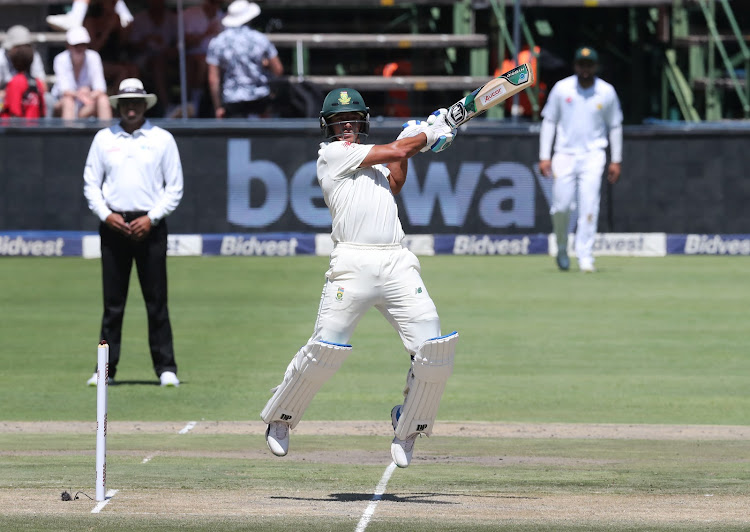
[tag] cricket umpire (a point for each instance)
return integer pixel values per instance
(133, 181)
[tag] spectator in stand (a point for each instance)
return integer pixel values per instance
(80, 89)
(74, 17)
(152, 40)
(108, 38)
(24, 95)
(240, 61)
(19, 37)
(202, 23)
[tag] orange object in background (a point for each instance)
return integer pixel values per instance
(523, 98)
(397, 101)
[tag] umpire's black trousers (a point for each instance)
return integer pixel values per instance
(150, 255)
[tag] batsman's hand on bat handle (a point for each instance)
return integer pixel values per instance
(438, 117)
(440, 135)
(545, 167)
(412, 128)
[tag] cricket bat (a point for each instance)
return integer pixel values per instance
(490, 94)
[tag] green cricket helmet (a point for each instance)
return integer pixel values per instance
(343, 101)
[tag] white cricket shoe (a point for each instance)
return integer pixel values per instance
(92, 380)
(586, 265)
(168, 378)
(62, 22)
(401, 450)
(277, 437)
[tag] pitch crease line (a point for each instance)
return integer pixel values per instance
(187, 428)
(99, 507)
(379, 490)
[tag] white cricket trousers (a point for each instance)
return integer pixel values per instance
(387, 277)
(585, 170)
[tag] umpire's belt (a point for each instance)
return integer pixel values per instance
(129, 216)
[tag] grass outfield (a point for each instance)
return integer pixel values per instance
(643, 342)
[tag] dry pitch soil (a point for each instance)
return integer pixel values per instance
(695, 511)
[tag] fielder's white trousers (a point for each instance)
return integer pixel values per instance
(584, 170)
(385, 277)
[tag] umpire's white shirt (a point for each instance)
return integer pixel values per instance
(362, 205)
(138, 172)
(583, 116)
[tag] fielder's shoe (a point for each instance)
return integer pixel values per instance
(401, 450)
(62, 22)
(92, 380)
(586, 265)
(168, 378)
(277, 437)
(563, 262)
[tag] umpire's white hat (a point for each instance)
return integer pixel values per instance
(132, 88)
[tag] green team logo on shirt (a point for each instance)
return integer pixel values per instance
(340, 294)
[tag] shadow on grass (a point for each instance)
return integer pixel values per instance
(356, 497)
(424, 498)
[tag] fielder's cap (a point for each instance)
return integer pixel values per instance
(78, 35)
(586, 53)
(132, 88)
(240, 12)
(17, 36)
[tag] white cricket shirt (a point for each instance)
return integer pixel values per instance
(583, 117)
(91, 74)
(362, 205)
(138, 172)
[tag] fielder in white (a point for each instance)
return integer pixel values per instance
(368, 267)
(583, 116)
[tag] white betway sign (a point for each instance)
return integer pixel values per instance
(498, 195)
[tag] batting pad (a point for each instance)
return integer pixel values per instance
(431, 367)
(313, 365)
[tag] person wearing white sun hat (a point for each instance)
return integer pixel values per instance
(132, 88)
(80, 89)
(241, 63)
(132, 182)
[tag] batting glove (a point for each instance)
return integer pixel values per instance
(437, 117)
(439, 133)
(412, 128)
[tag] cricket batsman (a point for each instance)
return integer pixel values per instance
(368, 267)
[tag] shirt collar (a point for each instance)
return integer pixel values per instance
(144, 130)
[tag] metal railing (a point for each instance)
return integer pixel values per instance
(703, 71)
